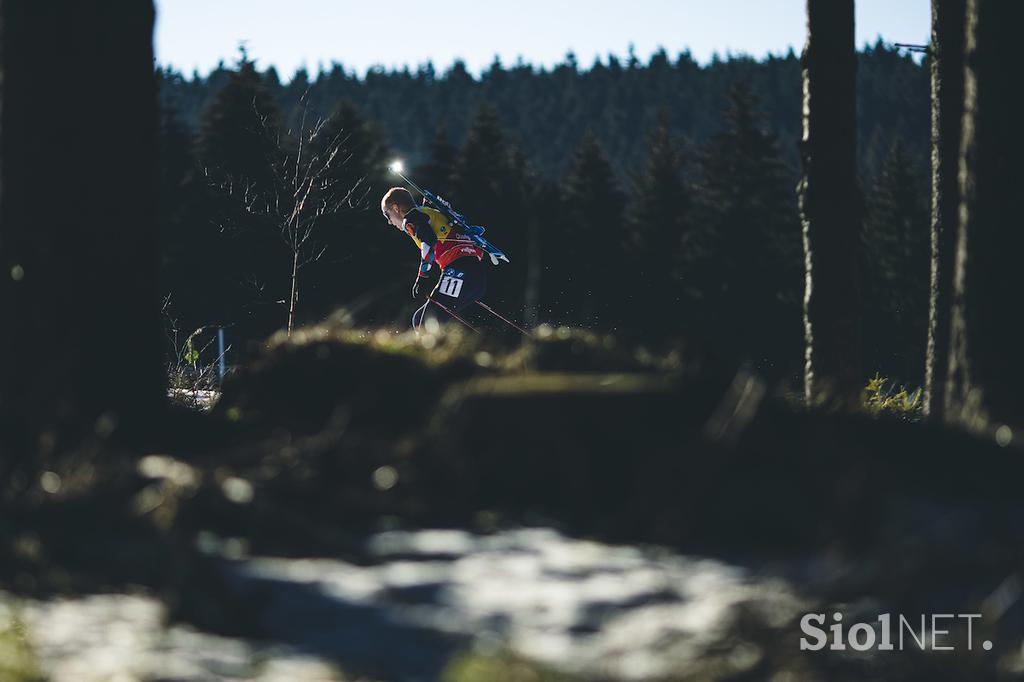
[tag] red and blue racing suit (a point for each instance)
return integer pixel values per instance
(463, 277)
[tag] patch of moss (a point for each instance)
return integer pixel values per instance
(18, 662)
(372, 379)
(501, 667)
(563, 349)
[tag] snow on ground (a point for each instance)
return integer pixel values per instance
(417, 600)
(123, 638)
(202, 399)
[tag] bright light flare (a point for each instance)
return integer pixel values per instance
(396, 167)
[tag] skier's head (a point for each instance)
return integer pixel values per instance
(396, 203)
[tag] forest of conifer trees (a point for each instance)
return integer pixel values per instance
(656, 200)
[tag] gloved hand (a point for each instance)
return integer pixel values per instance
(421, 287)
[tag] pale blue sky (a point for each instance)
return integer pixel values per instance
(196, 34)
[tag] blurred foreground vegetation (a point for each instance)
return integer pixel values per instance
(337, 433)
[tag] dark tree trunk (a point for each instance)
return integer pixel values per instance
(831, 205)
(986, 374)
(80, 333)
(947, 67)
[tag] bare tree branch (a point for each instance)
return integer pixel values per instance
(302, 187)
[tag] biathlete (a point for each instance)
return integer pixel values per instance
(463, 278)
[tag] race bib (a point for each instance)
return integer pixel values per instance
(450, 286)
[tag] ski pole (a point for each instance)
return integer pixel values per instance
(510, 323)
(452, 313)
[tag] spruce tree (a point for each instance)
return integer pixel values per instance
(658, 222)
(492, 187)
(363, 165)
(237, 150)
(238, 127)
(518, 233)
(896, 270)
(174, 148)
(482, 168)
(436, 173)
(590, 238)
(185, 268)
(357, 244)
(741, 261)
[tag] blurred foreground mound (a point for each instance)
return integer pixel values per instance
(575, 429)
(387, 379)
